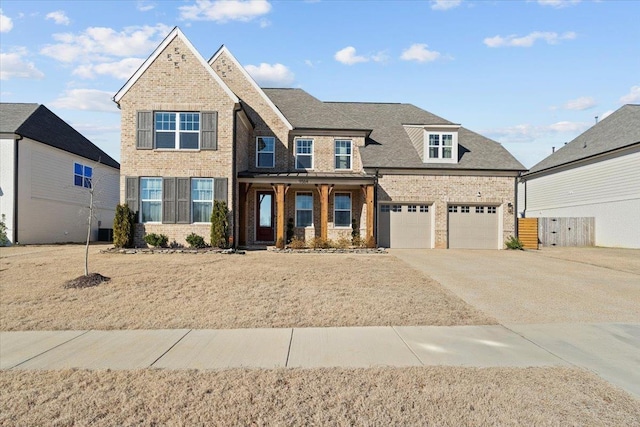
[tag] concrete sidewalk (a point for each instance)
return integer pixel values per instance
(610, 350)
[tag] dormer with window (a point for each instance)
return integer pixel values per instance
(435, 143)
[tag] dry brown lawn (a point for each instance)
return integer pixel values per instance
(442, 396)
(256, 290)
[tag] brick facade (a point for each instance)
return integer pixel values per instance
(176, 81)
(440, 191)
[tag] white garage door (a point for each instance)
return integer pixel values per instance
(473, 227)
(404, 226)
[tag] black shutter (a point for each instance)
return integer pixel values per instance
(209, 130)
(183, 192)
(131, 194)
(169, 200)
(144, 130)
(220, 189)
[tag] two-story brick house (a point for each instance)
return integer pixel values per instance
(196, 131)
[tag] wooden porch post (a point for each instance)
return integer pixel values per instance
(370, 210)
(324, 210)
(280, 191)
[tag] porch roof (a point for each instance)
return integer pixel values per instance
(306, 178)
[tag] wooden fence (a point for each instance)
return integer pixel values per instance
(567, 231)
(528, 232)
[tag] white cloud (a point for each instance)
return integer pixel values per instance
(145, 6)
(419, 52)
(528, 40)
(580, 104)
(632, 97)
(122, 69)
(15, 66)
(87, 100)
(444, 4)
(101, 43)
(348, 56)
(525, 133)
(558, 3)
(59, 17)
(6, 24)
(224, 11)
(267, 75)
(606, 114)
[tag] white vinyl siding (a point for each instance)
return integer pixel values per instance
(608, 190)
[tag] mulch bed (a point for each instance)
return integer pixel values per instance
(93, 279)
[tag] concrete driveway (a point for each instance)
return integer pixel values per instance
(578, 285)
(579, 304)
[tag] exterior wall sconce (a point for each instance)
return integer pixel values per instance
(510, 207)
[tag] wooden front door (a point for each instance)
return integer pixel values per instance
(265, 201)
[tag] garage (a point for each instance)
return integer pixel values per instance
(473, 227)
(404, 226)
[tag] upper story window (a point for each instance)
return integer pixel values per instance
(265, 151)
(304, 153)
(82, 175)
(343, 154)
(440, 146)
(177, 131)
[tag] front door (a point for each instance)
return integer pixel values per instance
(264, 217)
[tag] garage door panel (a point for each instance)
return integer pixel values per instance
(472, 227)
(404, 226)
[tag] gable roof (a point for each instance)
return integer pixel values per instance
(618, 130)
(37, 122)
(307, 112)
(389, 145)
(247, 76)
(146, 64)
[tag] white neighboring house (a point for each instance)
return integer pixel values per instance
(46, 169)
(595, 175)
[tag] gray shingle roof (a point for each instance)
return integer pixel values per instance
(304, 111)
(389, 145)
(37, 122)
(620, 129)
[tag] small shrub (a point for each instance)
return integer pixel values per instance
(4, 240)
(358, 242)
(514, 243)
(320, 243)
(220, 224)
(344, 242)
(355, 231)
(290, 226)
(195, 241)
(157, 240)
(280, 243)
(123, 224)
(297, 243)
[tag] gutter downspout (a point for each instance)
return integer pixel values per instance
(15, 188)
(234, 179)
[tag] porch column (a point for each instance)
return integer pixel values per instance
(244, 211)
(370, 211)
(324, 210)
(280, 191)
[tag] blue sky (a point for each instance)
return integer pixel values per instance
(529, 74)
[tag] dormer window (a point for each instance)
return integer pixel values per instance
(440, 146)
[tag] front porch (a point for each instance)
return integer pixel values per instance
(305, 205)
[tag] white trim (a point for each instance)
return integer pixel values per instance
(295, 209)
(245, 73)
(342, 210)
(440, 159)
(335, 155)
(273, 153)
(146, 64)
(295, 153)
(140, 219)
(454, 126)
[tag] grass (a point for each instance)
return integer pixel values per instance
(256, 290)
(443, 396)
